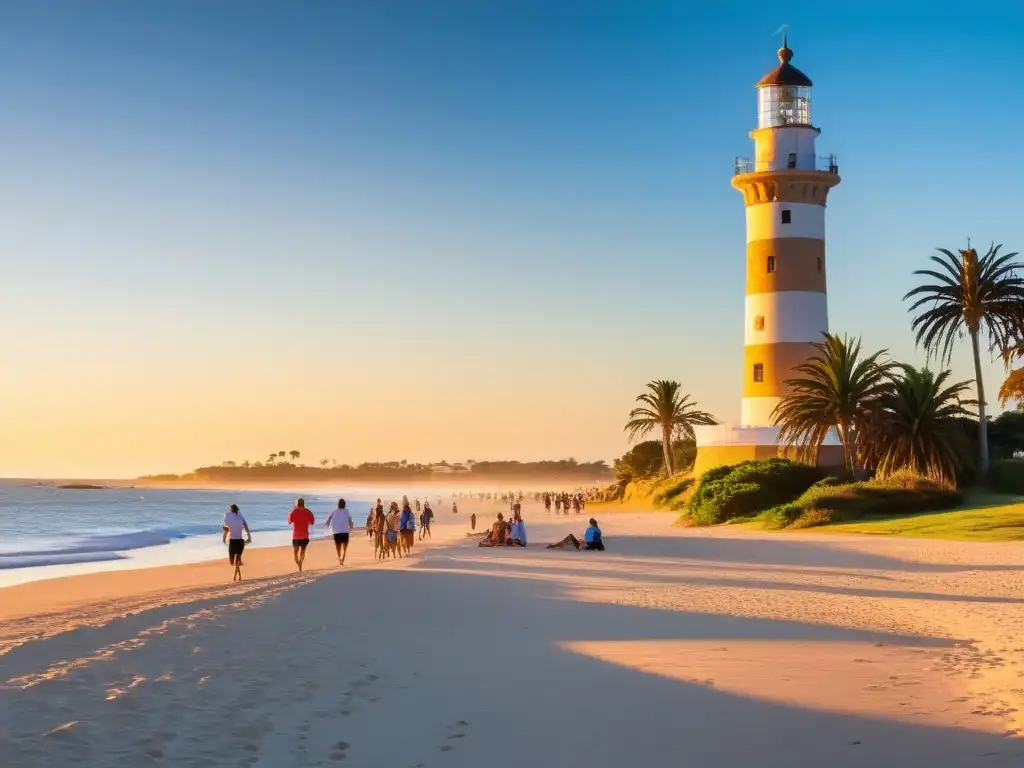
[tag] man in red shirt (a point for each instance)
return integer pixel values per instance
(300, 519)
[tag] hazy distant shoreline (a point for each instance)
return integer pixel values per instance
(565, 473)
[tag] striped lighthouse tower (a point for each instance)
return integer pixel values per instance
(784, 191)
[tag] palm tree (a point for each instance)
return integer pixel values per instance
(666, 409)
(834, 390)
(294, 455)
(970, 295)
(272, 458)
(324, 463)
(282, 454)
(915, 425)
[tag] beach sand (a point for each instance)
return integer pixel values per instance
(674, 648)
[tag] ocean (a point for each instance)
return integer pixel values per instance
(47, 531)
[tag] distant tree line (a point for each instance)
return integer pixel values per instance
(277, 467)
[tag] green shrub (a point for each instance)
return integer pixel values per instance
(667, 492)
(781, 516)
(744, 489)
(1007, 476)
(896, 495)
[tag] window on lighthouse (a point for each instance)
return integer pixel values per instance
(771, 263)
(759, 323)
(787, 216)
(759, 372)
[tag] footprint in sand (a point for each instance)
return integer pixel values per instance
(338, 753)
(456, 731)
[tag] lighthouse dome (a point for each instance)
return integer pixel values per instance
(785, 73)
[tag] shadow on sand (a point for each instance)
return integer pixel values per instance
(780, 553)
(490, 653)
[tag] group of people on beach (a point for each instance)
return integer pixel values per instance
(394, 532)
(236, 533)
(562, 501)
(512, 533)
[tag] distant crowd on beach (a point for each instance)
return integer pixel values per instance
(393, 531)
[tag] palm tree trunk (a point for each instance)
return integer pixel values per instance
(844, 438)
(982, 423)
(666, 449)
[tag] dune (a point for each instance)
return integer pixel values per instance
(723, 648)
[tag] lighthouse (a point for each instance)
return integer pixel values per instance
(784, 187)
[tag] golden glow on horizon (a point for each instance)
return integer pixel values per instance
(143, 421)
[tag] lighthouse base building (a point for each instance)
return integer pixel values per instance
(785, 189)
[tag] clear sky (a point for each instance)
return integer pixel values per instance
(424, 230)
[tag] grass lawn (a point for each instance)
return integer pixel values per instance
(984, 516)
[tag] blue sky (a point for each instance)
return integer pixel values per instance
(485, 223)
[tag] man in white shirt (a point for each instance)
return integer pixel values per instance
(234, 524)
(340, 523)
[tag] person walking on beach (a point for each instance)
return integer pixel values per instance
(455, 508)
(379, 527)
(300, 519)
(234, 524)
(407, 529)
(391, 532)
(472, 522)
(416, 501)
(428, 516)
(340, 523)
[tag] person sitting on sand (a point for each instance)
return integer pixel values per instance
(233, 523)
(517, 531)
(497, 536)
(592, 539)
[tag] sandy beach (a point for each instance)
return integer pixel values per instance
(698, 648)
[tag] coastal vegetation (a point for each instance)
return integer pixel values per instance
(277, 469)
(972, 295)
(912, 438)
(664, 408)
(833, 392)
(835, 501)
(741, 490)
(1013, 386)
(981, 516)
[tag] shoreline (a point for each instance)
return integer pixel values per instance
(64, 603)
